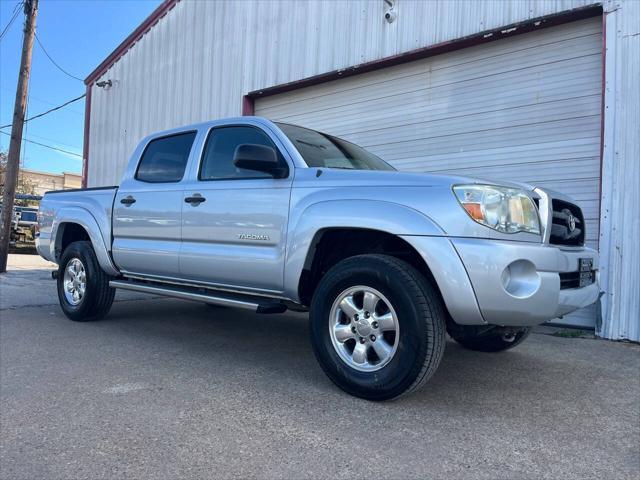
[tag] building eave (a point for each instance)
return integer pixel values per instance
(131, 40)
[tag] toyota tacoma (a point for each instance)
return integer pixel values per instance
(268, 216)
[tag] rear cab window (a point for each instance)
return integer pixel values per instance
(164, 159)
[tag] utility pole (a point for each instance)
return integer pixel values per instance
(13, 160)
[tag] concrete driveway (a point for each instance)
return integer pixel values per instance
(165, 389)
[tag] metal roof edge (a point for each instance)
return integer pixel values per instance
(131, 40)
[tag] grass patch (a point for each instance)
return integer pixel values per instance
(568, 333)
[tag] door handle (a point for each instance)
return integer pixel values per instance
(129, 200)
(195, 200)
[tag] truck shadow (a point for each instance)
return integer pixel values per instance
(276, 349)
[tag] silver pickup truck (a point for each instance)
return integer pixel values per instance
(269, 216)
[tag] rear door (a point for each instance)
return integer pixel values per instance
(236, 234)
(148, 209)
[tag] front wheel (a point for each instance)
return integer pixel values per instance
(377, 327)
(83, 287)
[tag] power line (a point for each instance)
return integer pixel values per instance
(33, 98)
(16, 11)
(8, 25)
(48, 146)
(56, 141)
(54, 62)
(50, 110)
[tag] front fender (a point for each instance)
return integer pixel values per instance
(371, 214)
(86, 220)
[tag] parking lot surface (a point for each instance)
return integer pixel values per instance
(164, 389)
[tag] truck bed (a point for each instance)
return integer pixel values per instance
(86, 189)
(95, 204)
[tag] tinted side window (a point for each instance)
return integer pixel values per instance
(217, 159)
(165, 159)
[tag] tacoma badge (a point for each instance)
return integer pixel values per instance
(251, 236)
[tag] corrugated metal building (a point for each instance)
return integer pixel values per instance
(541, 91)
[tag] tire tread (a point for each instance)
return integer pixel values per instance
(427, 301)
(104, 295)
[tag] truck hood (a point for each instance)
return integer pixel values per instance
(344, 177)
(428, 194)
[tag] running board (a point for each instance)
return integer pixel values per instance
(226, 299)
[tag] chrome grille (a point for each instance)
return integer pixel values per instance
(572, 279)
(567, 224)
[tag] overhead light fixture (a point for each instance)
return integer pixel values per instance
(106, 84)
(390, 15)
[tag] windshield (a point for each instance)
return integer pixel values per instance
(322, 150)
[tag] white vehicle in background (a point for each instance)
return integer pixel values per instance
(26, 222)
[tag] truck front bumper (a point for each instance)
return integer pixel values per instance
(506, 283)
(518, 283)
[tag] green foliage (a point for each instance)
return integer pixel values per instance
(569, 333)
(24, 186)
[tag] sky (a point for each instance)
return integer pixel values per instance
(78, 35)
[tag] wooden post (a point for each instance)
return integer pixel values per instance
(13, 160)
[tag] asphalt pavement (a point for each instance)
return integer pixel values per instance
(170, 389)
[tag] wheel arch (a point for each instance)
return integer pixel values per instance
(311, 224)
(323, 254)
(74, 224)
(69, 232)
(419, 239)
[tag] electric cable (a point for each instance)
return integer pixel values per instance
(16, 11)
(50, 110)
(54, 62)
(47, 146)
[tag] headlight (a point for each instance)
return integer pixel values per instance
(506, 210)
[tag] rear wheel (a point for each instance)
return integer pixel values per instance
(83, 287)
(377, 327)
(488, 338)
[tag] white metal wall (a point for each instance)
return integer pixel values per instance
(524, 109)
(620, 232)
(200, 59)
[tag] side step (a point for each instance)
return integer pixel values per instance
(226, 299)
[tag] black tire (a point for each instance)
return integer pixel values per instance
(98, 297)
(421, 319)
(482, 340)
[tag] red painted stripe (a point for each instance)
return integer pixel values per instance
(247, 105)
(437, 49)
(85, 145)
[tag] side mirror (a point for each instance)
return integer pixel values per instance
(259, 158)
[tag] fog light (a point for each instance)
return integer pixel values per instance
(520, 279)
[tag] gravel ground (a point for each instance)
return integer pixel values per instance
(165, 389)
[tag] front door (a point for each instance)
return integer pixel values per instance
(234, 221)
(147, 212)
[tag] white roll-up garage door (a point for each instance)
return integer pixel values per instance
(526, 108)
